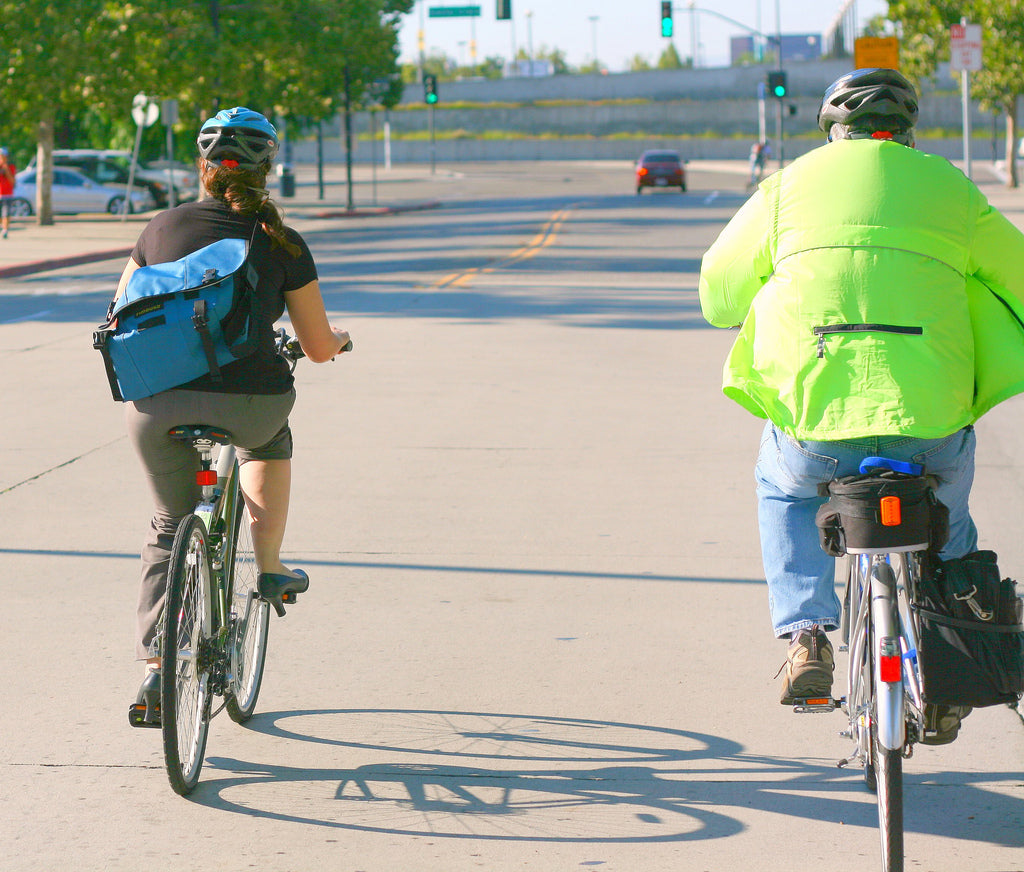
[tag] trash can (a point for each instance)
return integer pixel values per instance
(286, 180)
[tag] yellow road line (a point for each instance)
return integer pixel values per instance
(545, 237)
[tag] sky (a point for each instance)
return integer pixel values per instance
(622, 29)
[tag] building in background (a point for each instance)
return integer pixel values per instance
(795, 47)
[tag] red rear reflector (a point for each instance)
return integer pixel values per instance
(891, 514)
(889, 668)
(206, 477)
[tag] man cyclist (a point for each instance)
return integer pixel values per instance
(880, 300)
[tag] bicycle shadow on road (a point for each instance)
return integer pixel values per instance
(559, 779)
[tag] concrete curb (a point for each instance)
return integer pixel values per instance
(34, 266)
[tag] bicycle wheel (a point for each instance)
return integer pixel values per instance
(888, 766)
(185, 671)
(888, 725)
(250, 615)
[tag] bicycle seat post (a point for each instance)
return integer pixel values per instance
(203, 438)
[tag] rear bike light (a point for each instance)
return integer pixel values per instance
(890, 662)
(890, 511)
(206, 477)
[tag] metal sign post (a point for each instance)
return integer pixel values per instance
(144, 113)
(965, 56)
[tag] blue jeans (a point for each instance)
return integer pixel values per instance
(801, 577)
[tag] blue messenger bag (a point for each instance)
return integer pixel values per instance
(178, 321)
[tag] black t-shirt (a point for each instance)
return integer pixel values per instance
(191, 226)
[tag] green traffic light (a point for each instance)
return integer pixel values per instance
(666, 26)
(431, 98)
(780, 91)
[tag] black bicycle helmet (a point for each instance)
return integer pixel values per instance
(869, 99)
(238, 137)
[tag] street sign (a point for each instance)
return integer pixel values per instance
(882, 52)
(965, 47)
(145, 112)
(454, 12)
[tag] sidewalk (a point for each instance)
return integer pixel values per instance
(87, 238)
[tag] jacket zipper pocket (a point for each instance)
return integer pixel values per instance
(822, 332)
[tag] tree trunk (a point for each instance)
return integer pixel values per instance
(1011, 143)
(44, 171)
(348, 139)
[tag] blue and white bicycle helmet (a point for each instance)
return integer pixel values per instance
(238, 137)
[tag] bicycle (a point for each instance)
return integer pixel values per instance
(879, 631)
(212, 634)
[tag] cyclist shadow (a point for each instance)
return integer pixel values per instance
(555, 780)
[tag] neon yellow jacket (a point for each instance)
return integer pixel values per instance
(878, 292)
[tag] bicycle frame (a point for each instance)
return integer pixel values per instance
(216, 509)
(873, 602)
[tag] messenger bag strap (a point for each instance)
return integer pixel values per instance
(202, 324)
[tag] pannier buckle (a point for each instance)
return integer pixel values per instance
(972, 603)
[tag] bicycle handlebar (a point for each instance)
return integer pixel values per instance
(291, 350)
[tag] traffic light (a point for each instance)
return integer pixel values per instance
(430, 89)
(504, 12)
(777, 84)
(666, 18)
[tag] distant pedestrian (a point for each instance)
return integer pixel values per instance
(7, 174)
(760, 151)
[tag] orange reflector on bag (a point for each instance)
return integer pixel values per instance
(891, 514)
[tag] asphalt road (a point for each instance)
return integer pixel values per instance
(536, 635)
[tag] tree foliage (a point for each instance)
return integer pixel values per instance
(924, 30)
(300, 59)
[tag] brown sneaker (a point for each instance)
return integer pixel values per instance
(809, 666)
(942, 723)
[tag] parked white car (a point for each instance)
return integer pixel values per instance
(75, 192)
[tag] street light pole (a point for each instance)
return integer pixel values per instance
(593, 35)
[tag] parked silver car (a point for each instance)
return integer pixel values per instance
(76, 192)
(112, 167)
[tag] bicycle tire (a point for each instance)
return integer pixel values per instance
(185, 669)
(250, 615)
(888, 767)
(888, 725)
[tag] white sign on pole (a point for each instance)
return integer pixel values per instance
(965, 47)
(145, 112)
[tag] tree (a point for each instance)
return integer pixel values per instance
(924, 29)
(638, 64)
(59, 57)
(670, 60)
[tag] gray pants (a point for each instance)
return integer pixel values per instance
(258, 425)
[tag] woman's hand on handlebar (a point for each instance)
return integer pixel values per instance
(344, 340)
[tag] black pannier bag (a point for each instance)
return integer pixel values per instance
(971, 642)
(854, 518)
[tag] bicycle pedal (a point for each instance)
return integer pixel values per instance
(815, 705)
(140, 715)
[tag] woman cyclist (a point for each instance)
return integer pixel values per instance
(252, 402)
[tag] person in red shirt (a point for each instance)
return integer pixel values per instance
(7, 173)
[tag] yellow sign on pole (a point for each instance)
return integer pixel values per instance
(876, 51)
